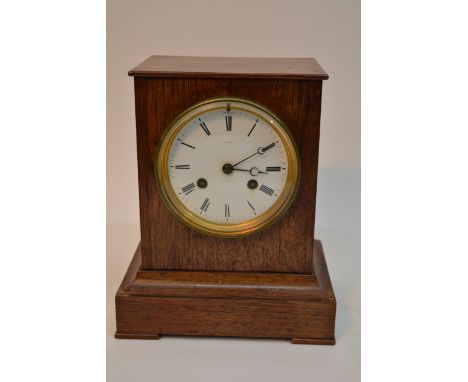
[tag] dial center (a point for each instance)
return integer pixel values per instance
(228, 168)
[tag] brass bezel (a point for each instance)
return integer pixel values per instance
(198, 223)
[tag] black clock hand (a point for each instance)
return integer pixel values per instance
(261, 151)
(254, 171)
(266, 148)
(243, 160)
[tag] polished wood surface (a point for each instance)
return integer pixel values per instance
(177, 303)
(167, 243)
(230, 67)
(272, 284)
(222, 284)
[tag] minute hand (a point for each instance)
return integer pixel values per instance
(260, 151)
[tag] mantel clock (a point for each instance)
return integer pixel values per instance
(227, 169)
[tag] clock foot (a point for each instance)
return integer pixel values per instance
(313, 341)
(137, 336)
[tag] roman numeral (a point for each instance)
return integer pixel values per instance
(205, 205)
(188, 188)
(253, 208)
(185, 144)
(183, 167)
(253, 127)
(228, 122)
(273, 168)
(266, 190)
(227, 211)
(203, 126)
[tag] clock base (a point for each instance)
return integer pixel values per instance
(299, 307)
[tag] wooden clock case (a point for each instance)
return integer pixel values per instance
(271, 284)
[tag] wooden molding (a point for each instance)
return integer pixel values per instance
(301, 308)
(230, 67)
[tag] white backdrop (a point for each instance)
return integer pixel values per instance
(326, 30)
(414, 192)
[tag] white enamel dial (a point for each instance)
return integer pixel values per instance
(228, 164)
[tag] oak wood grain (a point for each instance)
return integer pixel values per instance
(272, 284)
(230, 67)
(189, 310)
(168, 244)
(226, 284)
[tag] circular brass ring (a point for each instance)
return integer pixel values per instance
(226, 230)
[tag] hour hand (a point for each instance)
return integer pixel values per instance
(254, 171)
(261, 150)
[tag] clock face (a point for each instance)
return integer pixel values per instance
(227, 167)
